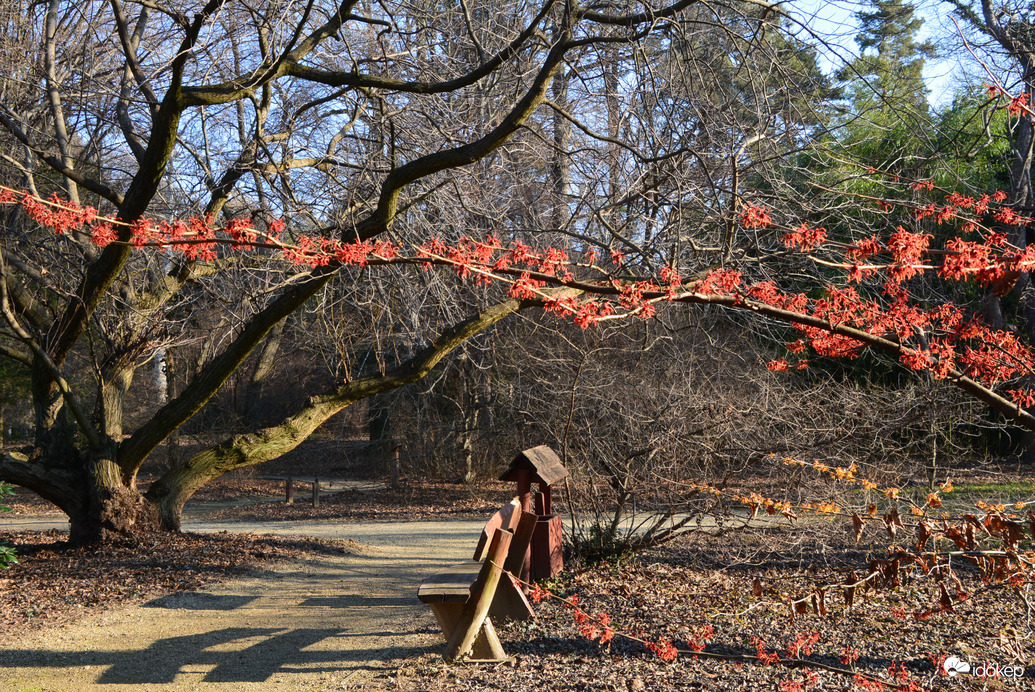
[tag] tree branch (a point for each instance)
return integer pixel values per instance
(142, 442)
(101, 273)
(467, 154)
(243, 86)
(42, 357)
(957, 378)
(180, 482)
(56, 163)
(19, 356)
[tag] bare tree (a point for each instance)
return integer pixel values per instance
(353, 120)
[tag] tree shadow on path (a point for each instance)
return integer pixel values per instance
(275, 651)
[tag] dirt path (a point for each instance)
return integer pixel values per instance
(326, 624)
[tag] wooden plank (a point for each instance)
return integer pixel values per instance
(506, 518)
(542, 461)
(510, 601)
(517, 556)
(547, 548)
(476, 610)
(452, 584)
(487, 644)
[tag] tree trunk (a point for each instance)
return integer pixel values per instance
(110, 509)
(253, 408)
(112, 512)
(560, 169)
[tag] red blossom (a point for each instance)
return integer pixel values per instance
(958, 200)
(276, 227)
(1019, 104)
(663, 649)
(1009, 217)
(720, 281)
(805, 238)
(858, 273)
(765, 292)
(755, 217)
(898, 672)
(241, 231)
(103, 235)
(865, 248)
(764, 657)
(1022, 397)
(916, 359)
(700, 638)
(802, 645)
(867, 684)
(526, 288)
(849, 655)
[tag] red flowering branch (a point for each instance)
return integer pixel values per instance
(841, 323)
(599, 627)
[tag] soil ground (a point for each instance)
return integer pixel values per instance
(340, 615)
(322, 622)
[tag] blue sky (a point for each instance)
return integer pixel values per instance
(835, 24)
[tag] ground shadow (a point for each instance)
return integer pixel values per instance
(276, 651)
(353, 601)
(199, 601)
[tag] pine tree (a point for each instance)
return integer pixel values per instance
(889, 69)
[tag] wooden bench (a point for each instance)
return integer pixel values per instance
(465, 597)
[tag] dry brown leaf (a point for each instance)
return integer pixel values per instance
(857, 527)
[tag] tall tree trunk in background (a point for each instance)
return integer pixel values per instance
(253, 408)
(172, 448)
(560, 170)
(610, 65)
(1020, 195)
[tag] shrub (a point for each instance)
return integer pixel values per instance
(7, 555)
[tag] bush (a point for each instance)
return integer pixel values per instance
(7, 556)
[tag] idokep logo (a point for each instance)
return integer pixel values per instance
(954, 665)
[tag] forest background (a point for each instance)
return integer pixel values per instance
(198, 312)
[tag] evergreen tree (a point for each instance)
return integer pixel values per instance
(889, 70)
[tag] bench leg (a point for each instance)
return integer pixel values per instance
(487, 645)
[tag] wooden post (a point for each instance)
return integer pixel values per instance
(289, 491)
(484, 588)
(316, 492)
(395, 467)
(524, 489)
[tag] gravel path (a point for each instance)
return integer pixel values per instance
(324, 624)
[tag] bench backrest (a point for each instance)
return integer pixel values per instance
(507, 518)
